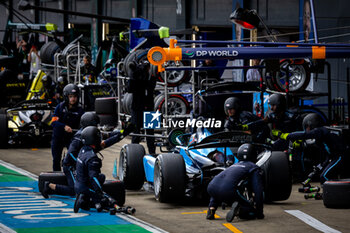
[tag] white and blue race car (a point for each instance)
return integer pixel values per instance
(188, 169)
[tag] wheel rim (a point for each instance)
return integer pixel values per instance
(158, 180)
(297, 76)
(73, 61)
(122, 166)
(176, 106)
(173, 76)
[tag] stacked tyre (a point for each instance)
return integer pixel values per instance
(297, 71)
(47, 52)
(177, 104)
(106, 109)
(336, 193)
(3, 129)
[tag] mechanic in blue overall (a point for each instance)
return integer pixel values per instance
(69, 161)
(227, 187)
(141, 85)
(278, 119)
(65, 119)
(61, 83)
(331, 145)
(237, 117)
(49, 87)
(89, 179)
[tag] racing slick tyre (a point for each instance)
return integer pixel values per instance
(108, 119)
(138, 56)
(156, 99)
(51, 177)
(267, 76)
(175, 77)
(47, 52)
(3, 130)
(130, 168)
(127, 102)
(177, 105)
(169, 177)
(159, 98)
(115, 189)
(336, 193)
(73, 49)
(299, 75)
(107, 105)
(278, 179)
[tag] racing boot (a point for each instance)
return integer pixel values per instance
(46, 190)
(233, 212)
(81, 203)
(211, 213)
(98, 207)
(248, 213)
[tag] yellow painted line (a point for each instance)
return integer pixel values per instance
(203, 212)
(35, 149)
(232, 228)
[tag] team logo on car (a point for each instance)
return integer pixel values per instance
(151, 120)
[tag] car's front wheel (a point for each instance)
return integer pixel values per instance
(130, 169)
(169, 177)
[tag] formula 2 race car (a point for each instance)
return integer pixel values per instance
(188, 170)
(27, 122)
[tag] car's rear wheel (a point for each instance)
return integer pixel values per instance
(169, 177)
(130, 169)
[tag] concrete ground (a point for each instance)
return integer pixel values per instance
(190, 217)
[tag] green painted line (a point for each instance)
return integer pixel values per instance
(8, 175)
(86, 229)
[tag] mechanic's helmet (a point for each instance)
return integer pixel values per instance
(278, 100)
(61, 80)
(246, 152)
(70, 89)
(91, 136)
(89, 119)
(312, 120)
(47, 81)
(232, 103)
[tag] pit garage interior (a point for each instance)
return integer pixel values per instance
(121, 26)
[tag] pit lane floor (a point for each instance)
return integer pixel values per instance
(294, 215)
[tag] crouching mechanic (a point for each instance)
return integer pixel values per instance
(89, 179)
(69, 161)
(331, 145)
(226, 187)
